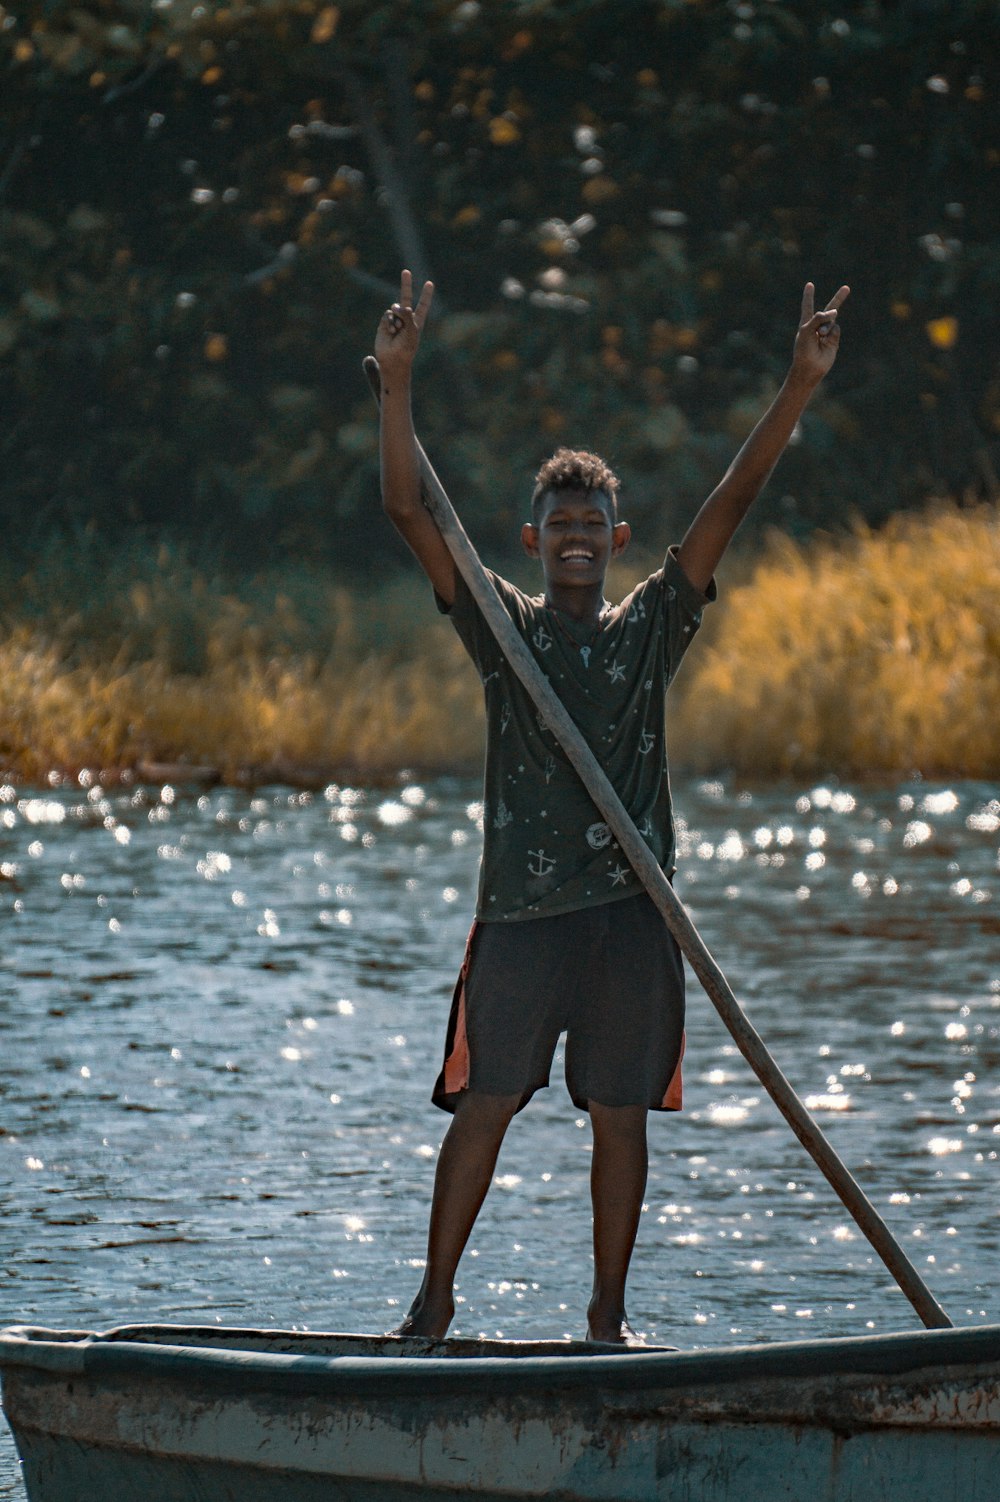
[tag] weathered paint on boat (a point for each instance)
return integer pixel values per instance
(190, 1414)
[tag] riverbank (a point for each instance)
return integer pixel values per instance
(872, 655)
(161, 661)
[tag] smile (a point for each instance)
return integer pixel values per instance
(580, 554)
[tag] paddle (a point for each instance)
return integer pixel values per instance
(645, 866)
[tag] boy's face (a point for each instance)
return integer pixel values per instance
(575, 537)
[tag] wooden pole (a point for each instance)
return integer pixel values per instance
(647, 868)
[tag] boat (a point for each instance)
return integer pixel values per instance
(171, 1413)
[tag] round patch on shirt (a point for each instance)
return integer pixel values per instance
(598, 836)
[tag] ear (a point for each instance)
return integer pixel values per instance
(529, 539)
(620, 538)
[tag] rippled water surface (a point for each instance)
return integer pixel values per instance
(221, 1016)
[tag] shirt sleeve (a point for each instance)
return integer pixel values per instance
(471, 625)
(683, 605)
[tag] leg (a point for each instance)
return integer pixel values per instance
(464, 1171)
(617, 1185)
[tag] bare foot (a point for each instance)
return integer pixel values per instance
(427, 1319)
(613, 1330)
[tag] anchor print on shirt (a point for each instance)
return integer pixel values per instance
(636, 612)
(504, 717)
(646, 828)
(550, 768)
(503, 816)
(542, 863)
(542, 639)
(646, 743)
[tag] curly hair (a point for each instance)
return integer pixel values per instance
(574, 469)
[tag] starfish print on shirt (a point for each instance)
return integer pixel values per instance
(616, 672)
(619, 876)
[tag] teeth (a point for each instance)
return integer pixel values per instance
(577, 553)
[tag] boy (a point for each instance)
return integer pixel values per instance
(565, 938)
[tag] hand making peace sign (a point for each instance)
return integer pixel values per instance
(399, 328)
(818, 336)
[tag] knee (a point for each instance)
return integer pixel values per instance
(621, 1123)
(485, 1114)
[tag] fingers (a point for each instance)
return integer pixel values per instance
(405, 303)
(401, 315)
(823, 325)
(423, 307)
(808, 302)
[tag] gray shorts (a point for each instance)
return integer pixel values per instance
(610, 977)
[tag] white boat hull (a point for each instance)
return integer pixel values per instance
(181, 1415)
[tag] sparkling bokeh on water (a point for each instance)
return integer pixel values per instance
(221, 1016)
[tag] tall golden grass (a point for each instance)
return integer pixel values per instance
(155, 660)
(871, 655)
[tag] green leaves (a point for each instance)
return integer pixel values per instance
(205, 207)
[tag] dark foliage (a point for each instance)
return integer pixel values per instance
(203, 209)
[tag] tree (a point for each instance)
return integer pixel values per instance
(203, 208)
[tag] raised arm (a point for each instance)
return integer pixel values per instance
(712, 529)
(396, 344)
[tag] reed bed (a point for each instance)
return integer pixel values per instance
(159, 661)
(873, 655)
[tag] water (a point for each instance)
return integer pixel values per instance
(221, 1016)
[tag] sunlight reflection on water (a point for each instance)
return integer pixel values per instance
(221, 1016)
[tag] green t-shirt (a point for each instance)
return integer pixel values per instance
(546, 848)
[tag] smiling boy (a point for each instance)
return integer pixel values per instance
(565, 937)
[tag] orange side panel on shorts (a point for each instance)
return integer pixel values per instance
(674, 1098)
(456, 1065)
